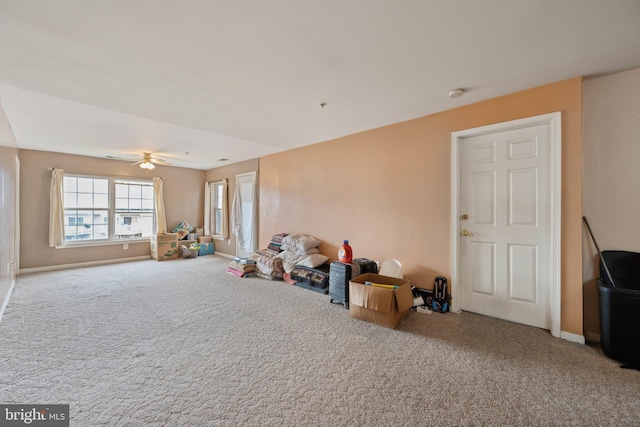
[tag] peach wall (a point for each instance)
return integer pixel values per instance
(611, 176)
(229, 246)
(387, 190)
(183, 191)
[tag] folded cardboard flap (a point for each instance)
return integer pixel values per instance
(378, 299)
(404, 297)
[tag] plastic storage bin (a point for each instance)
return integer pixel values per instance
(620, 306)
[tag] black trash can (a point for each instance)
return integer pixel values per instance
(620, 306)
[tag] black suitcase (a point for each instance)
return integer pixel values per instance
(366, 265)
(339, 276)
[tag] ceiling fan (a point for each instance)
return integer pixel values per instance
(149, 163)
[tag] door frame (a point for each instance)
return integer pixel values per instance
(554, 120)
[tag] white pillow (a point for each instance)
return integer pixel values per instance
(303, 242)
(312, 261)
(298, 251)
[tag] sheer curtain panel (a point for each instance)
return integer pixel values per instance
(56, 209)
(158, 197)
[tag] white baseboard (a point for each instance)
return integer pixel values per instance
(572, 337)
(6, 299)
(82, 264)
(225, 255)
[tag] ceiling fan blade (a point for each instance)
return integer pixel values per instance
(160, 162)
(137, 163)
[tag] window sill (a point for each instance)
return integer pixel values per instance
(81, 244)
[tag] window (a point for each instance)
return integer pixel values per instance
(134, 209)
(218, 210)
(86, 208)
(106, 209)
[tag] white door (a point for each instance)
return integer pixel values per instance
(505, 225)
(245, 224)
(16, 265)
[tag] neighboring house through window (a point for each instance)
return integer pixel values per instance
(134, 209)
(102, 209)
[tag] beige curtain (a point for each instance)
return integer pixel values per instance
(158, 197)
(207, 209)
(56, 209)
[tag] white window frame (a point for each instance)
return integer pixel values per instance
(216, 194)
(111, 212)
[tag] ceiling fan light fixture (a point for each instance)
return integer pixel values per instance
(147, 165)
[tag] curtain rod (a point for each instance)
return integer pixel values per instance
(116, 177)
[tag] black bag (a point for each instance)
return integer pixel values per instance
(440, 300)
(366, 265)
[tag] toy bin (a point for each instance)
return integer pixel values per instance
(620, 306)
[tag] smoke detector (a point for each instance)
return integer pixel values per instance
(456, 93)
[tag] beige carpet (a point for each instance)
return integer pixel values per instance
(181, 343)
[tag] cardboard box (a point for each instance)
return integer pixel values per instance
(164, 246)
(205, 239)
(384, 307)
(206, 249)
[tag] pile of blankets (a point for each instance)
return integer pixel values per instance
(268, 265)
(275, 244)
(284, 252)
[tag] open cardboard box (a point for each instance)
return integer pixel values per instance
(384, 307)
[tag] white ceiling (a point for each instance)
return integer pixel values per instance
(239, 79)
